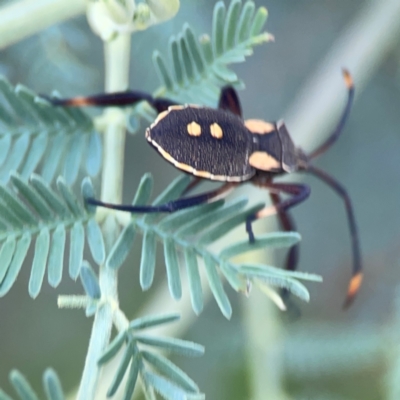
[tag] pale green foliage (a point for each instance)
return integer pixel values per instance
(32, 209)
(190, 232)
(51, 384)
(200, 66)
(152, 368)
(32, 131)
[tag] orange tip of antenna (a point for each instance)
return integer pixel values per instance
(354, 287)
(348, 79)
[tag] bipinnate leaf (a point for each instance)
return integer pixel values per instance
(33, 211)
(34, 135)
(186, 235)
(199, 67)
(138, 361)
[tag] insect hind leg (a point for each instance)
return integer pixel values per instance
(299, 193)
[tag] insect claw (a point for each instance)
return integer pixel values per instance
(249, 230)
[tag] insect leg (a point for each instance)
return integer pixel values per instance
(126, 98)
(229, 101)
(339, 128)
(288, 225)
(298, 192)
(357, 275)
(192, 184)
(171, 206)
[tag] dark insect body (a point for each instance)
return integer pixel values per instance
(217, 144)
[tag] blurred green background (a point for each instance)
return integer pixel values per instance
(325, 353)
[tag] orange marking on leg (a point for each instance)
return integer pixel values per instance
(354, 287)
(79, 101)
(348, 80)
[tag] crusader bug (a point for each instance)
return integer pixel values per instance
(218, 144)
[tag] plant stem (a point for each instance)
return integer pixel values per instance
(117, 75)
(24, 18)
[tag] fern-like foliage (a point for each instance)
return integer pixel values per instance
(157, 373)
(198, 68)
(51, 384)
(33, 210)
(189, 233)
(34, 136)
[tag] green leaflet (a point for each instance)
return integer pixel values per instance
(162, 71)
(39, 262)
(52, 200)
(56, 256)
(35, 154)
(89, 281)
(122, 247)
(171, 344)
(152, 320)
(167, 389)
(144, 190)
(132, 378)
(192, 269)
(276, 239)
(77, 243)
(6, 255)
(197, 225)
(14, 157)
(52, 385)
(127, 358)
(16, 264)
(4, 396)
(167, 368)
(22, 386)
(32, 197)
(69, 198)
(73, 158)
(148, 260)
(16, 206)
(113, 348)
(5, 143)
(95, 241)
(172, 266)
(217, 288)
